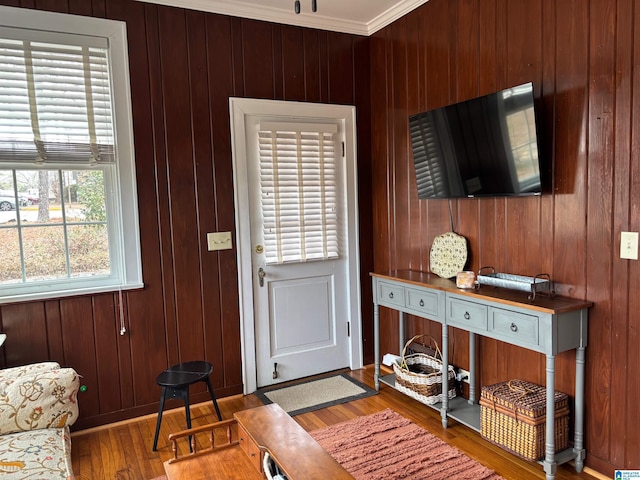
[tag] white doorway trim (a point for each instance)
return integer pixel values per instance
(239, 109)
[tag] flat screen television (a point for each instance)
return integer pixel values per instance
(486, 146)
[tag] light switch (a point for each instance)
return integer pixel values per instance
(629, 245)
(219, 241)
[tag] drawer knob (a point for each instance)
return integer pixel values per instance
(467, 316)
(390, 294)
(514, 327)
(421, 303)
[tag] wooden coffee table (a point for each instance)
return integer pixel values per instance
(261, 429)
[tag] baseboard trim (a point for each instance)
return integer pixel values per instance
(595, 474)
(179, 409)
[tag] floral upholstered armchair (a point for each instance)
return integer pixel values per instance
(38, 403)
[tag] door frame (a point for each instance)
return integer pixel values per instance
(239, 109)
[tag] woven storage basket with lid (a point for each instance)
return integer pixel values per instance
(420, 375)
(513, 416)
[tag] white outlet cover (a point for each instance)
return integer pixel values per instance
(629, 245)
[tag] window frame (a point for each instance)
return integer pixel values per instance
(123, 217)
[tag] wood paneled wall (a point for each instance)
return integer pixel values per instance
(184, 67)
(582, 57)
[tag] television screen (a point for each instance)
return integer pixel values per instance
(486, 146)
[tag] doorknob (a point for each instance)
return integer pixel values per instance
(261, 274)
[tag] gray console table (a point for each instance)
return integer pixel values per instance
(548, 325)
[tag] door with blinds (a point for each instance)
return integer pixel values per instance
(298, 237)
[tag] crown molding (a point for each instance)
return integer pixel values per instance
(399, 10)
(289, 17)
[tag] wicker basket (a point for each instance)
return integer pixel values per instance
(425, 384)
(513, 416)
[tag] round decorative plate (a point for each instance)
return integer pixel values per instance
(448, 254)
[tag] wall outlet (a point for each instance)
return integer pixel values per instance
(462, 375)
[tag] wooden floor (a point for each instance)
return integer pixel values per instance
(123, 451)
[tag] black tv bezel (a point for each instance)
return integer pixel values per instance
(541, 180)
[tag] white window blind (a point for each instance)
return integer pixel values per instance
(55, 101)
(67, 163)
(298, 192)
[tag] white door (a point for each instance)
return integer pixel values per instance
(301, 244)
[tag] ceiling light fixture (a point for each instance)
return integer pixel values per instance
(314, 6)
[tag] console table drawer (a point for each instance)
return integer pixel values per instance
(390, 294)
(425, 302)
(468, 315)
(514, 327)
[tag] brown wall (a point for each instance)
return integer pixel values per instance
(581, 57)
(184, 67)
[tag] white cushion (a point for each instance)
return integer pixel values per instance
(37, 454)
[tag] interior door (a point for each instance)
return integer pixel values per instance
(299, 261)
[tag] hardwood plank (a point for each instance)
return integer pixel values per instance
(76, 314)
(311, 56)
(59, 6)
(177, 97)
(124, 449)
(80, 7)
(293, 64)
(222, 337)
(621, 408)
(340, 68)
(402, 168)
(257, 58)
(632, 323)
(599, 204)
(149, 339)
(24, 324)
(106, 318)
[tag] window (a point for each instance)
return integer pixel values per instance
(298, 191)
(68, 208)
(521, 132)
(429, 155)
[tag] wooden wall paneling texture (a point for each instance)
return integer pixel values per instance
(224, 334)
(293, 68)
(184, 66)
(312, 60)
(398, 141)
(205, 195)
(31, 338)
(145, 343)
(464, 34)
(599, 207)
(178, 131)
(106, 314)
(362, 98)
(623, 103)
(415, 97)
(157, 325)
(379, 171)
(632, 328)
(581, 57)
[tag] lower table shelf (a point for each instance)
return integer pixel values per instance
(458, 409)
(468, 414)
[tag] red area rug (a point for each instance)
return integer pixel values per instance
(387, 446)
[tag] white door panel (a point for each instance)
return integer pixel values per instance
(303, 335)
(299, 313)
(301, 317)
